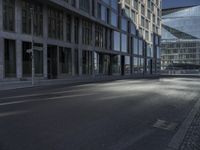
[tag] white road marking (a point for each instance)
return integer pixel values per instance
(43, 94)
(12, 113)
(46, 99)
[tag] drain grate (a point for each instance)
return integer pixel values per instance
(162, 124)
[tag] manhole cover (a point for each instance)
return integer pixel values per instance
(162, 124)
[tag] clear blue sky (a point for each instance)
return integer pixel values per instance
(179, 3)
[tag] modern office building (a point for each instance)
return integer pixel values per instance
(78, 38)
(181, 36)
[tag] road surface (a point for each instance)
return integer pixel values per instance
(117, 115)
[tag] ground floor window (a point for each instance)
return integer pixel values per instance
(38, 56)
(116, 64)
(65, 64)
(127, 66)
(87, 62)
(104, 64)
(141, 65)
(10, 58)
(76, 62)
(135, 64)
(27, 59)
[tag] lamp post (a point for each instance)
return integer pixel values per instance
(32, 45)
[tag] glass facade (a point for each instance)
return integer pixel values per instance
(105, 37)
(180, 36)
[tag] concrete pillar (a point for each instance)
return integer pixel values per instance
(80, 47)
(1, 59)
(95, 9)
(45, 73)
(73, 41)
(93, 45)
(64, 27)
(45, 36)
(18, 18)
(1, 16)
(73, 61)
(72, 30)
(19, 58)
(77, 4)
(91, 9)
(18, 25)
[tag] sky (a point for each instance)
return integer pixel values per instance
(179, 3)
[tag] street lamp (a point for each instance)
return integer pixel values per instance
(33, 48)
(32, 45)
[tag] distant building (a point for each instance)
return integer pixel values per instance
(180, 37)
(79, 38)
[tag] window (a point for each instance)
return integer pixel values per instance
(116, 44)
(26, 58)
(127, 11)
(68, 28)
(114, 19)
(38, 56)
(127, 66)
(140, 47)
(133, 29)
(37, 18)
(135, 64)
(27, 61)
(65, 55)
(124, 43)
(142, 10)
(55, 24)
(76, 62)
(9, 15)
(87, 62)
(116, 65)
(76, 30)
(136, 4)
(10, 58)
(114, 4)
(87, 32)
(135, 46)
(99, 36)
(84, 5)
(102, 12)
(124, 24)
(141, 65)
(134, 16)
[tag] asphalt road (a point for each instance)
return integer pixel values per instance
(117, 115)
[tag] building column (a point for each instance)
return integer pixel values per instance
(19, 53)
(45, 37)
(45, 73)
(1, 59)
(73, 42)
(93, 45)
(18, 18)
(77, 4)
(19, 59)
(1, 16)
(58, 61)
(80, 47)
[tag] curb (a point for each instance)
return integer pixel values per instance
(178, 138)
(67, 82)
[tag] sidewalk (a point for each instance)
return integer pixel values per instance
(8, 85)
(188, 135)
(192, 137)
